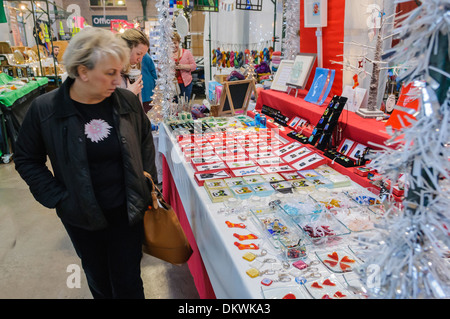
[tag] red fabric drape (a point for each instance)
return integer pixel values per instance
(332, 36)
(195, 263)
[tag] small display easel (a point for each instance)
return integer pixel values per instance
(236, 95)
(291, 87)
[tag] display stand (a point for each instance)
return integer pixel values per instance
(369, 114)
(290, 88)
(316, 16)
(236, 96)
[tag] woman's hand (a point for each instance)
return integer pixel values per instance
(184, 67)
(137, 86)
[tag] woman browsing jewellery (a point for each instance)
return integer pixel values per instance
(99, 142)
(184, 65)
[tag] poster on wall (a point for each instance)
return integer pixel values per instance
(316, 13)
(301, 70)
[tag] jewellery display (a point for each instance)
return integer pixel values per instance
(321, 135)
(292, 224)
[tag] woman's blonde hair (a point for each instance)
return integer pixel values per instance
(134, 37)
(90, 46)
(176, 37)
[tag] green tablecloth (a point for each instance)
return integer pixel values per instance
(8, 98)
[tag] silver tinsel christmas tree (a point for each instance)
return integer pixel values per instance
(291, 41)
(410, 249)
(164, 90)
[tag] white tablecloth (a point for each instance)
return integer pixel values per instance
(223, 260)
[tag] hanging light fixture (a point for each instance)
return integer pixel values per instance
(251, 5)
(206, 5)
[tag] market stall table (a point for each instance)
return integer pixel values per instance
(217, 264)
(14, 104)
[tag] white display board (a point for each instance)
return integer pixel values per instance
(316, 13)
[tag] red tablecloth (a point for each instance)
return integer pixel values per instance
(354, 127)
(195, 263)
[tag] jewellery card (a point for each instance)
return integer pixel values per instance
(233, 158)
(254, 149)
(309, 173)
(239, 164)
(215, 183)
(301, 184)
(262, 189)
(201, 177)
(291, 175)
(221, 153)
(268, 161)
(268, 148)
(188, 156)
(203, 160)
(357, 151)
(253, 179)
(218, 195)
(203, 144)
(236, 150)
(297, 122)
(247, 171)
(260, 155)
(273, 177)
(187, 146)
(283, 187)
(243, 192)
(346, 146)
(288, 148)
(234, 181)
(309, 162)
(207, 153)
(297, 154)
(325, 170)
(210, 167)
(278, 169)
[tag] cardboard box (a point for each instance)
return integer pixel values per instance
(221, 78)
(197, 22)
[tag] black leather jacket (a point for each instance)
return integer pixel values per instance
(52, 127)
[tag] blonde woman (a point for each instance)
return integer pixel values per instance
(184, 65)
(138, 44)
(99, 142)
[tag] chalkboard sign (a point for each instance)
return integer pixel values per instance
(236, 96)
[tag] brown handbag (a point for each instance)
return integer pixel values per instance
(164, 237)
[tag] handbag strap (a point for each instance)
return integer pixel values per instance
(157, 195)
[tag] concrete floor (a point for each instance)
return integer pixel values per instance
(35, 253)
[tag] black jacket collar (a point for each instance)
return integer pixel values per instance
(67, 108)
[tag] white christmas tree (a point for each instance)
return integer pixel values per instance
(379, 31)
(411, 247)
(164, 92)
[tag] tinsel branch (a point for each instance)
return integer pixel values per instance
(411, 246)
(291, 42)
